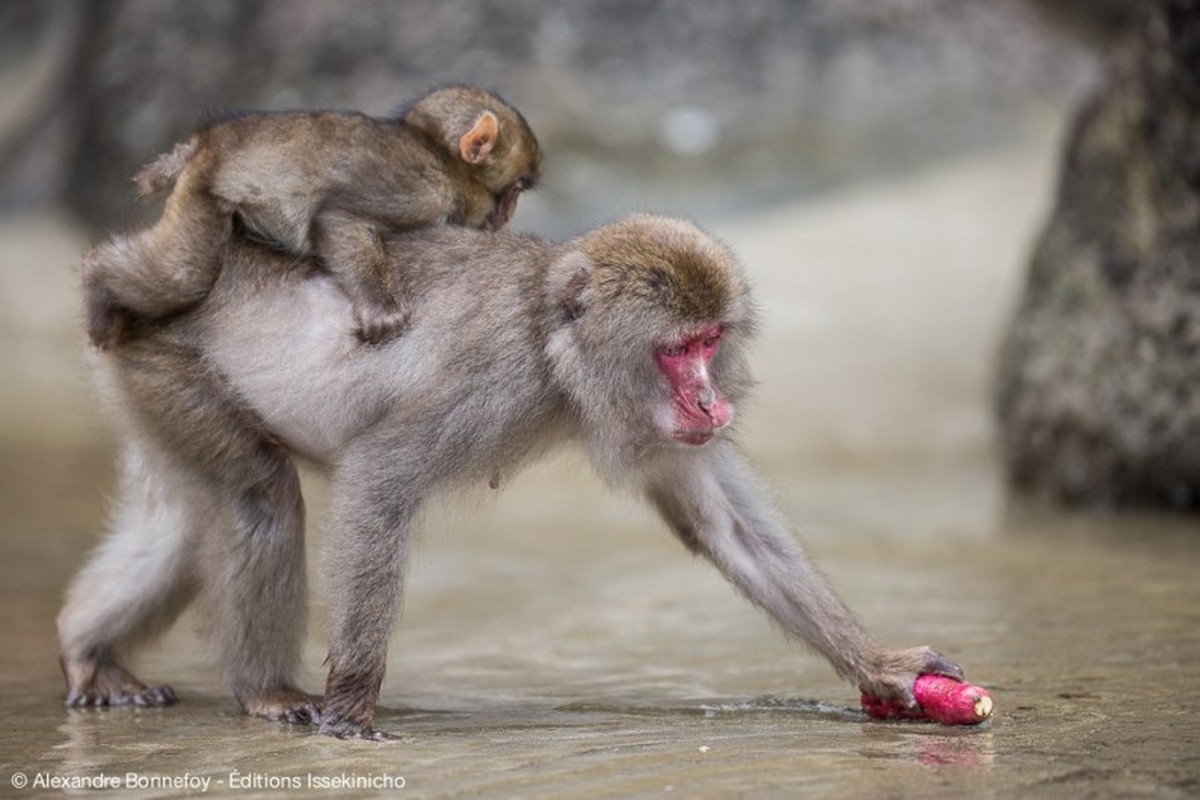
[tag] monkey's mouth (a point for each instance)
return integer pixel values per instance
(694, 437)
(506, 206)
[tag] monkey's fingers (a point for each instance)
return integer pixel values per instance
(299, 716)
(77, 698)
(924, 661)
(938, 664)
(147, 697)
(303, 714)
(894, 672)
(286, 704)
(378, 326)
(348, 730)
(156, 696)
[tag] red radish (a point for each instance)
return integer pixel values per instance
(939, 699)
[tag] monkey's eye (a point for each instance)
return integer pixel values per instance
(713, 337)
(672, 350)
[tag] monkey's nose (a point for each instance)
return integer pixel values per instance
(706, 398)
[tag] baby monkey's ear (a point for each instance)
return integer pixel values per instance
(476, 143)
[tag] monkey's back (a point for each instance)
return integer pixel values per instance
(277, 169)
(466, 377)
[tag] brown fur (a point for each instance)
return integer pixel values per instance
(320, 182)
(515, 344)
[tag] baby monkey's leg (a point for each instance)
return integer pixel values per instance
(157, 272)
(352, 248)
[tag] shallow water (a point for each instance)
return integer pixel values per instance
(557, 643)
(568, 648)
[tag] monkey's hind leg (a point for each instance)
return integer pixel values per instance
(132, 588)
(250, 560)
(353, 250)
(255, 578)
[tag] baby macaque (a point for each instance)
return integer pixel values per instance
(321, 182)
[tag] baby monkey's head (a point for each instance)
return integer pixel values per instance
(489, 138)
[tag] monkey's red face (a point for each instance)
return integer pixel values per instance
(698, 409)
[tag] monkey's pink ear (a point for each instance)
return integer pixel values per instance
(476, 143)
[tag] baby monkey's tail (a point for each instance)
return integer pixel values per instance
(161, 173)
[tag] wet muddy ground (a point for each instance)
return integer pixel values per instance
(558, 643)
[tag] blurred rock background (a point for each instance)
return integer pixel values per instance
(698, 107)
(721, 111)
(1098, 393)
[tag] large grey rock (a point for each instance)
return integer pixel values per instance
(1098, 392)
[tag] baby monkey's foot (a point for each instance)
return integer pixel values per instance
(377, 325)
(102, 317)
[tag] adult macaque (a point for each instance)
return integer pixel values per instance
(319, 182)
(629, 340)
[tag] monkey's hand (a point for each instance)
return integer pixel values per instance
(893, 673)
(377, 324)
(348, 708)
(941, 699)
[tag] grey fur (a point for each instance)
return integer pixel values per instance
(515, 345)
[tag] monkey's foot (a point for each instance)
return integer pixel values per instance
(103, 319)
(92, 684)
(285, 704)
(376, 325)
(893, 673)
(348, 708)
